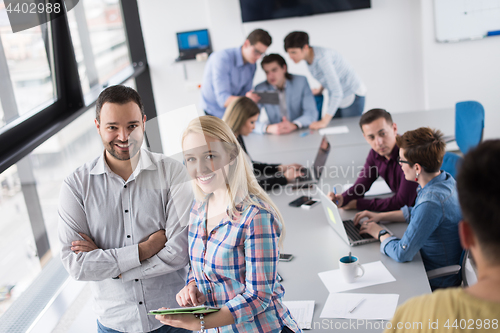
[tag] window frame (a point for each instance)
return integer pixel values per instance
(27, 132)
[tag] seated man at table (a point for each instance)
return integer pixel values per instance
(296, 108)
(474, 308)
(380, 132)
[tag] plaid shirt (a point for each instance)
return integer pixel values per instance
(236, 266)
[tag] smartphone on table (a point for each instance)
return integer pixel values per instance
(286, 257)
(309, 204)
(300, 201)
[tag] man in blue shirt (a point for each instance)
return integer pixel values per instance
(296, 108)
(229, 73)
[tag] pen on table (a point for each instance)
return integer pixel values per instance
(354, 308)
(335, 192)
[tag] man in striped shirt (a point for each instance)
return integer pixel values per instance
(346, 91)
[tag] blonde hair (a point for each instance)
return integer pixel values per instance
(239, 111)
(242, 186)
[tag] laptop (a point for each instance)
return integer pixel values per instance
(312, 174)
(345, 229)
(193, 42)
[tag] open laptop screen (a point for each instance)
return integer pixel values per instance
(192, 42)
(321, 157)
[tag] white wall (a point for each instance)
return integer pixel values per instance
(391, 46)
(468, 70)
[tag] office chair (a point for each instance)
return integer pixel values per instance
(319, 104)
(469, 124)
(451, 163)
(467, 269)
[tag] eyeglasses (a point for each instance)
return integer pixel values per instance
(402, 161)
(257, 52)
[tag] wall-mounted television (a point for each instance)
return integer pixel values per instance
(260, 10)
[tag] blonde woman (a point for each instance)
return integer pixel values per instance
(235, 232)
(241, 115)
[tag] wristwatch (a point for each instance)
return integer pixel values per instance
(381, 233)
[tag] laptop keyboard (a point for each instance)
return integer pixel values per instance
(353, 231)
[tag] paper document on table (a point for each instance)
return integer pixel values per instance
(366, 306)
(334, 130)
(375, 273)
(378, 187)
(302, 312)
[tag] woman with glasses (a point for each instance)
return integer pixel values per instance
(433, 220)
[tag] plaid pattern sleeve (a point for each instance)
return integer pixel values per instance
(190, 276)
(261, 260)
(235, 265)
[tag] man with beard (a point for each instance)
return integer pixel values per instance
(123, 221)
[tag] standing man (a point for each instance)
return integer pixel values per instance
(123, 221)
(346, 91)
(380, 132)
(229, 73)
(296, 109)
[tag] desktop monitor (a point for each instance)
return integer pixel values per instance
(193, 42)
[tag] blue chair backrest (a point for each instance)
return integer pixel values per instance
(469, 124)
(319, 104)
(451, 163)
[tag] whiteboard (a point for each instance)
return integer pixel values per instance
(458, 20)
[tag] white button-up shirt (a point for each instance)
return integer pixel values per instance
(118, 215)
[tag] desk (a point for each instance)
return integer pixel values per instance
(317, 248)
(269, 144)
(309, 237)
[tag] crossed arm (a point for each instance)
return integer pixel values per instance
(148, 248)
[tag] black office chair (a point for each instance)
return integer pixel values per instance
(467, 269)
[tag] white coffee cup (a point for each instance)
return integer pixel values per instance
(350, 268)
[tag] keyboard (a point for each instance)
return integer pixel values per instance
(353, 231)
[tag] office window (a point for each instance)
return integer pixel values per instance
(99, 38)
(18, 255)
(30, 180)
(2, 120)
(55, 159)
(24, 66)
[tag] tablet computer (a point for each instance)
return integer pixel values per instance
(193, 310)
(268, 97)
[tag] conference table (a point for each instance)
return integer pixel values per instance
(314, 244)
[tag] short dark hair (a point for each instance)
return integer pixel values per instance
(374, 114)
(274, 57)
(259, 35)
(424, 146)
(296, 39)
(118, 94)
(477, 185)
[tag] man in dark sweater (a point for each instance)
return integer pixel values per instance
(382, 161)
